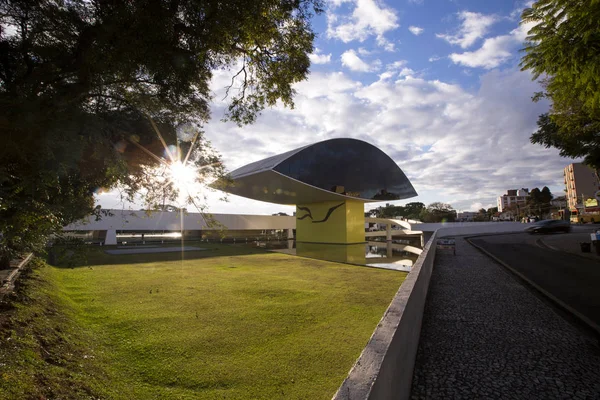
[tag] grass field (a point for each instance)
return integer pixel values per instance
(228, 323)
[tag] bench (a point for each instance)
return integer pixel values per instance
(446, 244)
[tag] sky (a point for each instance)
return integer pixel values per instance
(435, 84)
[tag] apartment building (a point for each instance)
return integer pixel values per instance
(512, 198)
(580, 184)
(466, 216)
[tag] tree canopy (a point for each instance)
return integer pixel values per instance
(438, 212)
(563, 49)
(538, 201)
(409, 211)
(86, 86)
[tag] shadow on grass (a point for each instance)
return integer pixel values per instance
(86, 256)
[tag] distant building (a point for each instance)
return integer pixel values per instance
(581, 184)
(559, 202)
(465, 216)
(513, 197)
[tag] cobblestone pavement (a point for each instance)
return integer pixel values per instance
(486, 336)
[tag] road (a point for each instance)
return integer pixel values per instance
(571, 278)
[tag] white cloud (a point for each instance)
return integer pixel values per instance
(353, 62)
(406, 72)
(516, 13)
(415, 30)
(369, 18)
(397, 68)
(473, 27)
(494, 51)
(337, 3)
(386, 75)
(479, 205)
(396, 65)
(454, 145)
(386, 44)
(457, 146)
(434, 58)
(318, 58)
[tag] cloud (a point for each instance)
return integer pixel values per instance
(353, 62)
(516, 13)
(494, 51)
(479, 205)
(455, 145)
(473, 27)
(369, 18)
(318, 58)
(415, 30)
(398, 69)
(396, 65)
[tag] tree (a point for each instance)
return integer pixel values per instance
(413, 210)
(438, 212)
(91, 92)
(538, 201)
(563, 48)
(492, 212)
(481, 216)
(389, 211)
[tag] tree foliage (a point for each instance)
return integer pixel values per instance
(86, 85)
(409, 211)
(438, 212)
(538, 201)
(563, 48)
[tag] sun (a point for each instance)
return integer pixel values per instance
(183, 176)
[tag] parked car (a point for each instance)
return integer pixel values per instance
(548, 226)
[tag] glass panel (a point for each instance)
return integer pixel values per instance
(349, 167)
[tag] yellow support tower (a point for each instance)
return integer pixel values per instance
(331, 230)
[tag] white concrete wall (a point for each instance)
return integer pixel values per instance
(467, 228)
(172, 221)
(384, 369)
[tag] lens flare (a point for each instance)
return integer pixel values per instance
(183, 176)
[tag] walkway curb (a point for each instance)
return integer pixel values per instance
(565, 307)
(566, 251)
(7, 283)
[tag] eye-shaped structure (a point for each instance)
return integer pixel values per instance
(332, 170)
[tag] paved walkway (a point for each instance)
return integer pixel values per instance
(486, 336)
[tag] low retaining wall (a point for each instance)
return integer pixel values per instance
(485, 228)
(384, 369)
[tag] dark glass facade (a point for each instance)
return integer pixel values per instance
(350, 167)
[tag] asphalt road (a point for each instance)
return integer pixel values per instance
(572, 279)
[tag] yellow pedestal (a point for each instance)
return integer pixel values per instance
(333, 231)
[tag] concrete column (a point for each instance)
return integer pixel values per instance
(111, 237)
(331, 230)
(290, 239)
(388, 233)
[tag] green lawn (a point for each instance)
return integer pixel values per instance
(231, 323)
